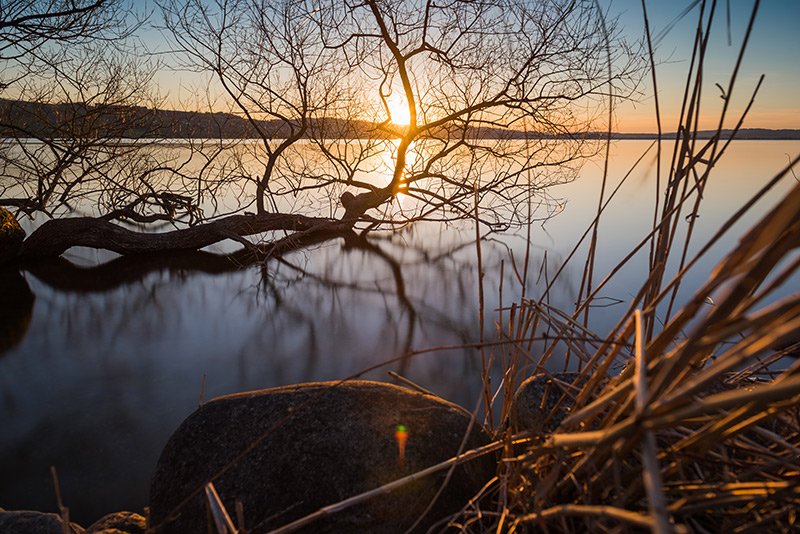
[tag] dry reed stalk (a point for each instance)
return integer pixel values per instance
(588, 271)
(709, 436)
(219, 514)
(626, 516)
(63, 511)
(702, 180)
(485, 365)
(675, 404)
(411, 385)
(651, 472)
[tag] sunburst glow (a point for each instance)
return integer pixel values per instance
(398, 110)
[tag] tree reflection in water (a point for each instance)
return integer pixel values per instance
(117, 351)
(16, 309)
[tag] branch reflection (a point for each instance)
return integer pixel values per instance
(121, 347)
(16, 309)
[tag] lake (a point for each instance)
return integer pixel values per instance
(113, 359)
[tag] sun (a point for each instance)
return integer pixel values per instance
(398, 110)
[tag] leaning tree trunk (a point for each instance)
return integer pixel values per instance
(54, 237)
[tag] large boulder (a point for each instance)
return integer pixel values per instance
(11, 236)
(287, 452)
(29, 522)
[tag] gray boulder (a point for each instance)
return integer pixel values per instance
(28, 522)
(118, 523)
(286, 452)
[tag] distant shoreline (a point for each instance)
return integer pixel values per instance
(20, 119)
(744, 134)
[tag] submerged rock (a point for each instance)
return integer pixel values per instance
(118, 523)
(543, 401)
(286, 452)
(29, 522)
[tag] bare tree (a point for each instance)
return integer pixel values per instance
(29, 27)
(497, 96)
(64, 140)
(80, 136)
(73, 86)
(476, 77)
(270, 63)
(495, 93)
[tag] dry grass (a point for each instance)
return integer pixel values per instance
(700, 429)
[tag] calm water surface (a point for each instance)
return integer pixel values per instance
(113, 360)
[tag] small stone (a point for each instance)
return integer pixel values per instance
(29, 522)
(287, 452)
(119, 523)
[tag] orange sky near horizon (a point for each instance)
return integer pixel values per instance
(772, 51)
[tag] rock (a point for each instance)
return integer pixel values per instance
(119, 523)
(11, 236)
(286, 452)
(28, 522)
(537, 397)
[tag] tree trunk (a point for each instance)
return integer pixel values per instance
(56, 236)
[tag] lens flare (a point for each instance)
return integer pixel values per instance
(401, 436)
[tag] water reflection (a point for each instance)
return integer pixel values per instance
(117, 351)
(16, 308)
(116, 348)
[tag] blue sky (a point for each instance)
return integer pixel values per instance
(773, 50)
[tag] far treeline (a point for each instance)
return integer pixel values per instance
(40, 120)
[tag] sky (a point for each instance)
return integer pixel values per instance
(773, 50)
